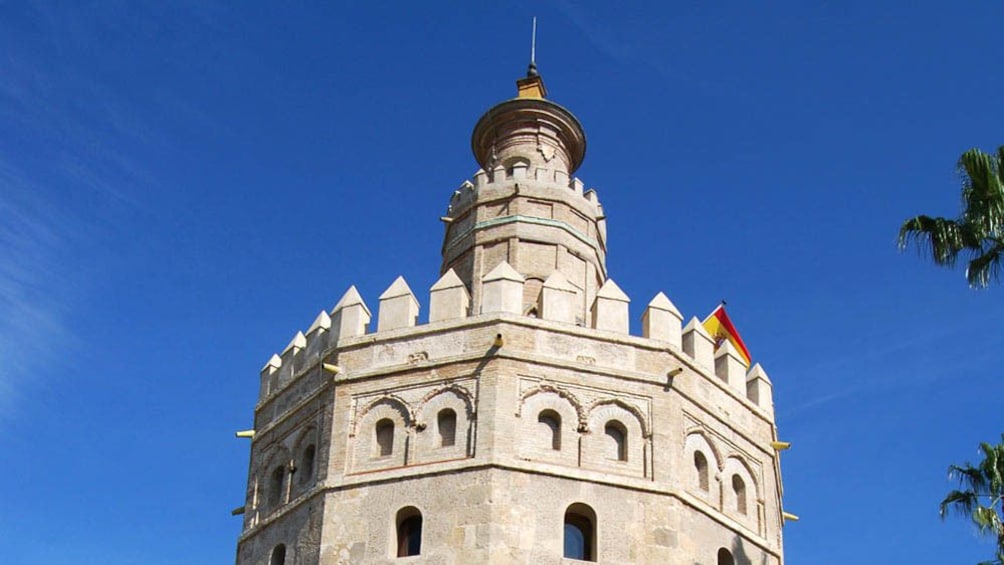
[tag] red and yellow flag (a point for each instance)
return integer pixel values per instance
(720, 327)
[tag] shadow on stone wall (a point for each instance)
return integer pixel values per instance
(740, 555)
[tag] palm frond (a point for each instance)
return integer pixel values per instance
(942, 238)
(969, 477)
(978, 233)
(961, 502)
(982, 495)
(982, 191)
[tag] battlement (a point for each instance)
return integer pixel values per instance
(519, 172)
(449, 303)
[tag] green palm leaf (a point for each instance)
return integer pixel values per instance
(978, 233)
(981, 497)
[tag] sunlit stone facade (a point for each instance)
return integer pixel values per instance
(523, 423)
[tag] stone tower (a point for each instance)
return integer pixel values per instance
(522, 423)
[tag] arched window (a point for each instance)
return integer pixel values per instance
(725, 557)
(385, 437)
(739, 488)
(616, 441)
(409, 532)
(278, 555)
(307, 464)
(551, 426)
(701, 465)
(276, 486)
(446, 421)
(580, 533)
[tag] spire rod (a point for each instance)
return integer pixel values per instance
(531, 71)
(533, 42)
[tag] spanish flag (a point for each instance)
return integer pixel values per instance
(720, 327)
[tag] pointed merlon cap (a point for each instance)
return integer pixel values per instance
(447, 281)
(726, 348)
(558, 281)
(662, 302)
(273, 363)
(448, 298)
(397, 288)
(503, 272)
(757, 372)
(321, 322)
(758, 388)
(695, 325)
(351, 298)
(299, 341)
(611, 291)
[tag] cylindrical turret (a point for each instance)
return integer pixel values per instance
(525, 208)
(530, 129)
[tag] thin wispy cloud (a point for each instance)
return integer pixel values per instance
(632, 42)
(33, 301)
(900, 361)
(70, 169)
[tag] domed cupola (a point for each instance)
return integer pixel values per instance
(530, 129)
(524, 208)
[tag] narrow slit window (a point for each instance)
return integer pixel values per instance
(701, 465)
(278, 555)
(306, 471)
(276, 486)
(446, 422)
(550, 423)
(580, 533)
(409, 532)
(385, 437)
(739, 488)
(616, 436)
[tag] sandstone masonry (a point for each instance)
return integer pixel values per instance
(522, 424)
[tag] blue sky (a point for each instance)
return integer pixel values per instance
(183, 186)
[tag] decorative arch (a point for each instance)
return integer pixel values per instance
(429, 442)
(306, 436)
(459, 391)
(738, 463)
(618, 440)
(381, 434)
(305, 452)
(698, 436)
(550, 429)
(638, 414)
(704, 481)
(746, 509)
(580, 412)
(277, 455)
(273, 478)
(391, 401)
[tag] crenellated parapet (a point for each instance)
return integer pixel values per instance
(539, 221)
(500, 180)
(503, 290)
(512, 406)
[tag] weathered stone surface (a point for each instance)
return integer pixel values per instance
(448, 298)
(492, 424)
(610, 310)
(503, 290)
(398, 307)
(661, 321)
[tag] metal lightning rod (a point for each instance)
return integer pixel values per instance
(533, 43)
